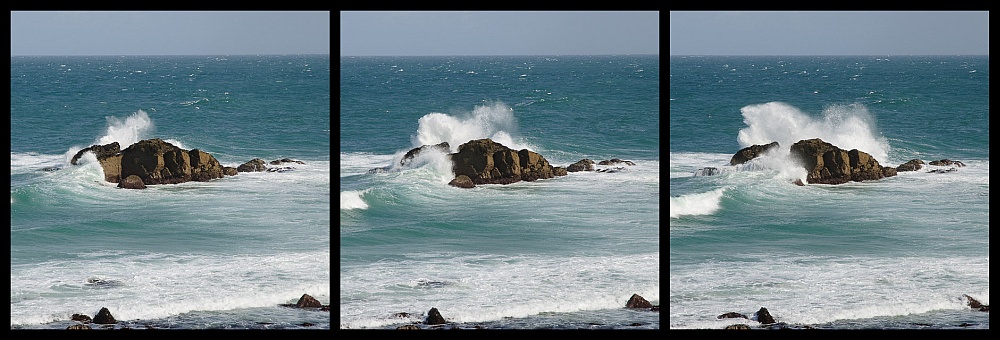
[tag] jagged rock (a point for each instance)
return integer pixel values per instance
(204, 167)
(945, 162)
(307, 301)
(101, 151)
(81, 318)
(751, 152)
(558, 171)
(229, 171)
(104, 317)
(109, 156)
(487, 162)
(738, 326)
(253, 165)
(828, 164)
(434, 317)
(408, 327)
(976, 304)
(912, 165)
(79, 326)
(637, 301)
(282, 169)
(132, 182)
(941, 171)
(764, 317)
(408, 157)
(583, 165)
(709, 171)
(158, 162)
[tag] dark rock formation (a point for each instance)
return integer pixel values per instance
(282, 169)
(104, 317)
(614, 161)
(462, 181)
(101, 151)
(583, 165)
(945, 162)
(132, 182)
(487, 162)
(229, 171)
(941, 171)
(408, 327)
(559, 171)
(637, 301)
(254, 165)
(751, 152)
(738, 326)
(764, 317)
(912, 165)
(307, 301)
(828, 164)
(286, 160)
(408, 157)
(976, 304)
(81, 318)
(79, 326)
(732, 315)
(158, 162)
(434, 317)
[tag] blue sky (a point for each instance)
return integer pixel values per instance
(499, 33)
(169, 33)
(829, 33)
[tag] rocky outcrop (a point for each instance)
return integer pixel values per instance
(912, 165)
(976, 304)
(583, 165)
(637, 301)
(732, 315)
(104, 317)
(101, 151)
(828, 164)
(81, 318)
(109, 156)
(434, 317)
(253, 165)
(307, 301)
(764, 317)
(738, 326)
(79, 326)
(709, 171)
(132, 182)
(751, 152)
(408, 157)
(158, 162)
(487, 162)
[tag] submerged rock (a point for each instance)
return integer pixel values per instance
(911, 165)
(462, 181)
(732, 315)
(583, 165)
(945, 162)
(709, 171)
(614, 161)
(253, 165)
(286, 160)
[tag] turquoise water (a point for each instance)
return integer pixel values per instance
(218, 254)
(895, 253)
(560, 253)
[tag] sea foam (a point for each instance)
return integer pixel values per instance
(128, 131)
(705, 203)
(494, 120)
(845, 126)
(351, 199)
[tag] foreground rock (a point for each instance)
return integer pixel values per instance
(109, 156)
(101, 151)
(751, 152)
(462, 181)
(487, 162)
(764, 317)
(408, 157)
(132, 182)
(582, 165)
(104, 317)
(637, 301)
(976, 304)
(828, 164)
(912, 165)
(434, 317)
(738, 326)
(307, 301)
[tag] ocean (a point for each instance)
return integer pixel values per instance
(222, 254)
(561, 253)
(896, 253)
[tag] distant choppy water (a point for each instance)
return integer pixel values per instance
(218, 254)
(560, 253)
(895, 253)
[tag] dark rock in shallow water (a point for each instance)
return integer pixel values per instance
(710, 171)
(230, 171)
(637, 301)
(945, 162)
(583, 165)
(462, 181)
(487, 162)
(738, 326)
(81, 318)
(941, 171)
(101, 151)
(104, 317)
(132, 182)
(976, 304)
(158, 162)
(409, 327)
(764, 317)
(78, 326)
(732, 315)
(434, 317)
(282, 169)
(912, 165)
(254, 165)
(286, 160)
(50, 168)
(751, 152)
(614, 161)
